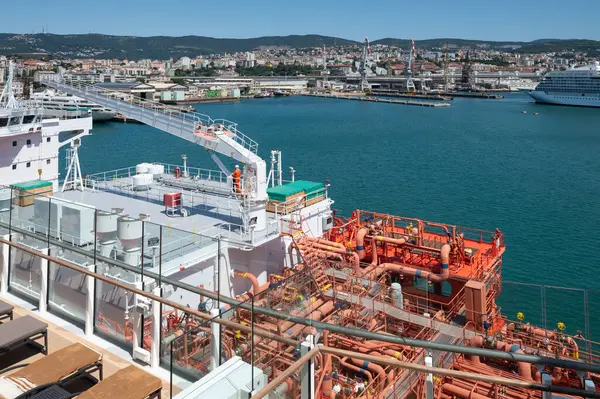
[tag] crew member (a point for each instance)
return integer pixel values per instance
(237, 179)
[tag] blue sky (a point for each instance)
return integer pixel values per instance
(351, 19)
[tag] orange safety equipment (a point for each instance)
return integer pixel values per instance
(237, 179)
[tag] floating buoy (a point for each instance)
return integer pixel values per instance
(523, 112)
(535, 113)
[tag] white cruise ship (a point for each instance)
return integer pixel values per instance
(55, 104)
(578, 86)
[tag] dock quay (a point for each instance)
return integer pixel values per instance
(381, 100)
(431, 97)
(474, 95)
(203, 100)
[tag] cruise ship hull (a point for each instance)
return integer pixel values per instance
(97, 115)
(565, 99)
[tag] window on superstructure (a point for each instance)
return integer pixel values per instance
(47, 162)
(47, 139)
(15, 120)
(3, 122)
(14, 143)
(28, 164)
(28, 118)
(14, 167)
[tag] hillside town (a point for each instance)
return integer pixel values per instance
(265, 70)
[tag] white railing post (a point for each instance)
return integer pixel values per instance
(429, 378)
(4, 250)
(156, 324)
(42, 306)
(215, 341)
(307, 372)
(90, 298)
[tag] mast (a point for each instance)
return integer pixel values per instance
(7, 98)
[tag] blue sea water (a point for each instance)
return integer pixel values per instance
(478, 163)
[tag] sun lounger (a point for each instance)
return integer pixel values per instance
(21, 331)
(6, 311)
(58, 368)
(128, 383)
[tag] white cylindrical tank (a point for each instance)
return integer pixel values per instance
(142, 168)
(142, 181)
(156, 169)
(129, 231)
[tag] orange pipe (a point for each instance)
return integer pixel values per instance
(476, 341)
(373, 367)
(326, 242)
(250, 277)
(360, 242)
(462, 392)
(374, 256)
(390, 240)
(358, 370)
(341, 251)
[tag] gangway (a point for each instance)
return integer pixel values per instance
(215, 135)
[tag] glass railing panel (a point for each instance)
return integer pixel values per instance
(25, 268)
(67, 289)
(113, 304)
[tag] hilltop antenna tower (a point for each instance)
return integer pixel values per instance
(408, 71)
(364, 84)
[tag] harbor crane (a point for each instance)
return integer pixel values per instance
(364, 84)
(446, 72)
(408, 71)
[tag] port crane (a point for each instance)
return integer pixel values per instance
(364, 84)
(408, 72)
(446, 72)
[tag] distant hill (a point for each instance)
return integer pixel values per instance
(155, 47)
(537, 46)
(165, 47)
(452, 43)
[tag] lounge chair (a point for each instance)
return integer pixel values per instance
(21, 331)
(57, 368)
(128, 383)
(6, 311)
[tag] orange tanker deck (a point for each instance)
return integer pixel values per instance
(419, 279)
(393, 276)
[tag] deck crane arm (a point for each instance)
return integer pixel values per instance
(215, 135)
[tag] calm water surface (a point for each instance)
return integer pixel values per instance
(479, 163)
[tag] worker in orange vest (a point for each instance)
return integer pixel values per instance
(237, 179)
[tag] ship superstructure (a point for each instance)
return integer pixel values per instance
(578, 86)
(246, 283)
(30, 139)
